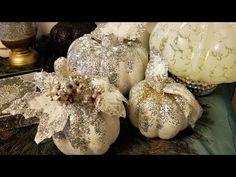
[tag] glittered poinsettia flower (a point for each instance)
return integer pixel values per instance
(80, 113)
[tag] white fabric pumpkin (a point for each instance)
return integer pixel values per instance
(158, 106)
(106, 53)
(81, 114)
(204, 52)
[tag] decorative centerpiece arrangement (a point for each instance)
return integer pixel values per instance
(79, 105)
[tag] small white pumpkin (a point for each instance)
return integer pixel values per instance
(81, 114)
(204, 52)
(108, 52)
(158, 106)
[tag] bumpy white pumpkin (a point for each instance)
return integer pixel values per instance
(107, 52)
(204, 52)
(81, 114)
(158, 106)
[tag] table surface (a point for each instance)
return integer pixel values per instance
(234, 101)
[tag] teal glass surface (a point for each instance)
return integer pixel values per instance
(218, 127)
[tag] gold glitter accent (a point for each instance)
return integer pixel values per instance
(159, 106)
(150, 92)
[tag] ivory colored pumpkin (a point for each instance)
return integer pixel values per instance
(204, 52)
(80, 113)
(95, 142)
(158, 106)
(120, 57)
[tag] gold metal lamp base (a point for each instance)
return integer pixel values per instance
(22, 54)
(23, 57)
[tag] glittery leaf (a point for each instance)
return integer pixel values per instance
(179, 89)
(111, 103)
(53, 120)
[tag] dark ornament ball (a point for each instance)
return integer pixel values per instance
(64, 33)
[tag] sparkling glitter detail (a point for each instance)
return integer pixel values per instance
(14, 88)
(196, 87)
(71, 105)
(130, 66)
(147, 111)
(169, 112)
(105, 55)
(180, 90)
(20, 106)
(13, 31)
(160, 106)
(78, 127)
(157, 71)
(45, 81)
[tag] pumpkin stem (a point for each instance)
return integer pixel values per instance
(157, 71)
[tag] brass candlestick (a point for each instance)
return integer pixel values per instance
(19, 37)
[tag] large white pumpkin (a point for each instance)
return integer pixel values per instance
(107, 52)
(204, 52)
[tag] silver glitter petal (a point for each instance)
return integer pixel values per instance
(45, 81)
(110, 103)
(61, 68)
(14, 88)
(54, 119)
(21, 106)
